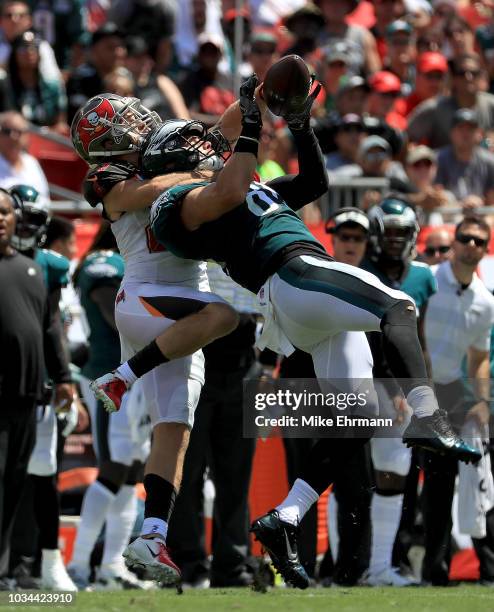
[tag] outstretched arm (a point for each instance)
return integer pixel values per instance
(210, 202)
(312, 180)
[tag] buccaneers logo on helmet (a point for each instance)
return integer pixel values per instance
(95, 123)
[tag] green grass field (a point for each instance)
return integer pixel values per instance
(463, 598)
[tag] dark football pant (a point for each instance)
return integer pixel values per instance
(17, 439)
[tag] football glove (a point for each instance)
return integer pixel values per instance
(299, 121)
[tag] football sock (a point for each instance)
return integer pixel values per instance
(298, 501)
(334, 536)
(385, 515)
(160, 501)
(153, 525)
(143, 361)
(422, 401)
(95, 506)
(120, 521)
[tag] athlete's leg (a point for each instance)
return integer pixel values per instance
(165, 323)
(172, 392)
(340, 354)
(196, 318)
(313, 296)
(391, 461)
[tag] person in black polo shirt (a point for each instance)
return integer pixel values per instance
(29, 339)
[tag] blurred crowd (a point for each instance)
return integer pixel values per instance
(405, 119)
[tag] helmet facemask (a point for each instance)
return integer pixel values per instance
(133, 122)
(30, 230)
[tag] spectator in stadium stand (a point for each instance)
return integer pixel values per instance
(352, 95)
(207, 93)
(421, 169)
(430, 123)
(28, 344)
(305, 25)
(333, 66)
(484, 37)
(437, 246)
(385, 90)
(157, 92)
(364, 55)
(217, 441)
(430, 81)
(61, 24)
(152, 19)
(464, 167)
(41, 99)
(401, 52)
(457, 324)
(263, 51)
(107, 52)
(375, 160)
(350, 132)
(386, 11)
(228, 65)
(194, 17)
(16, 18)
(459, 37)
(16, 165)
(119, 81)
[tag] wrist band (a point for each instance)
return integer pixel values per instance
(246, 144)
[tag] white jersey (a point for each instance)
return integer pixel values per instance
(146, 261)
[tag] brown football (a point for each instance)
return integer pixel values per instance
(286, 85)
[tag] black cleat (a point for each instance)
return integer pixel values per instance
(280, 541)
(435, 433)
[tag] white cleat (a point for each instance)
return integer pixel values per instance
(117, 578)
(54, 576)
(109, 389)
(390, 577)
(79, 576)
(150, 555)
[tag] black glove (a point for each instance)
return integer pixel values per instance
(299, 121)
(251, 115)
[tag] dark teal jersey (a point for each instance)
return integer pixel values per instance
(100, 269)
(55, 268)
(418, 281)
(245, 241)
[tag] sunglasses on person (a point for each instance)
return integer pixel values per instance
(422, 163)
(263, 50)
(467, 238)
(15, 15)
(431, 251)
(8, 131)
(463, 73)
(434, 76)
(358, 238)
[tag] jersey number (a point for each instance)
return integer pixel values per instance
(262, 200)
(153, 245)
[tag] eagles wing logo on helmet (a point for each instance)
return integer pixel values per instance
(95, 123)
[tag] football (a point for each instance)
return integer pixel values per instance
(286, 85)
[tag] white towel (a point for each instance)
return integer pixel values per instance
(475, 483)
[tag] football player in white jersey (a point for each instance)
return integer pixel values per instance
(161, 297)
